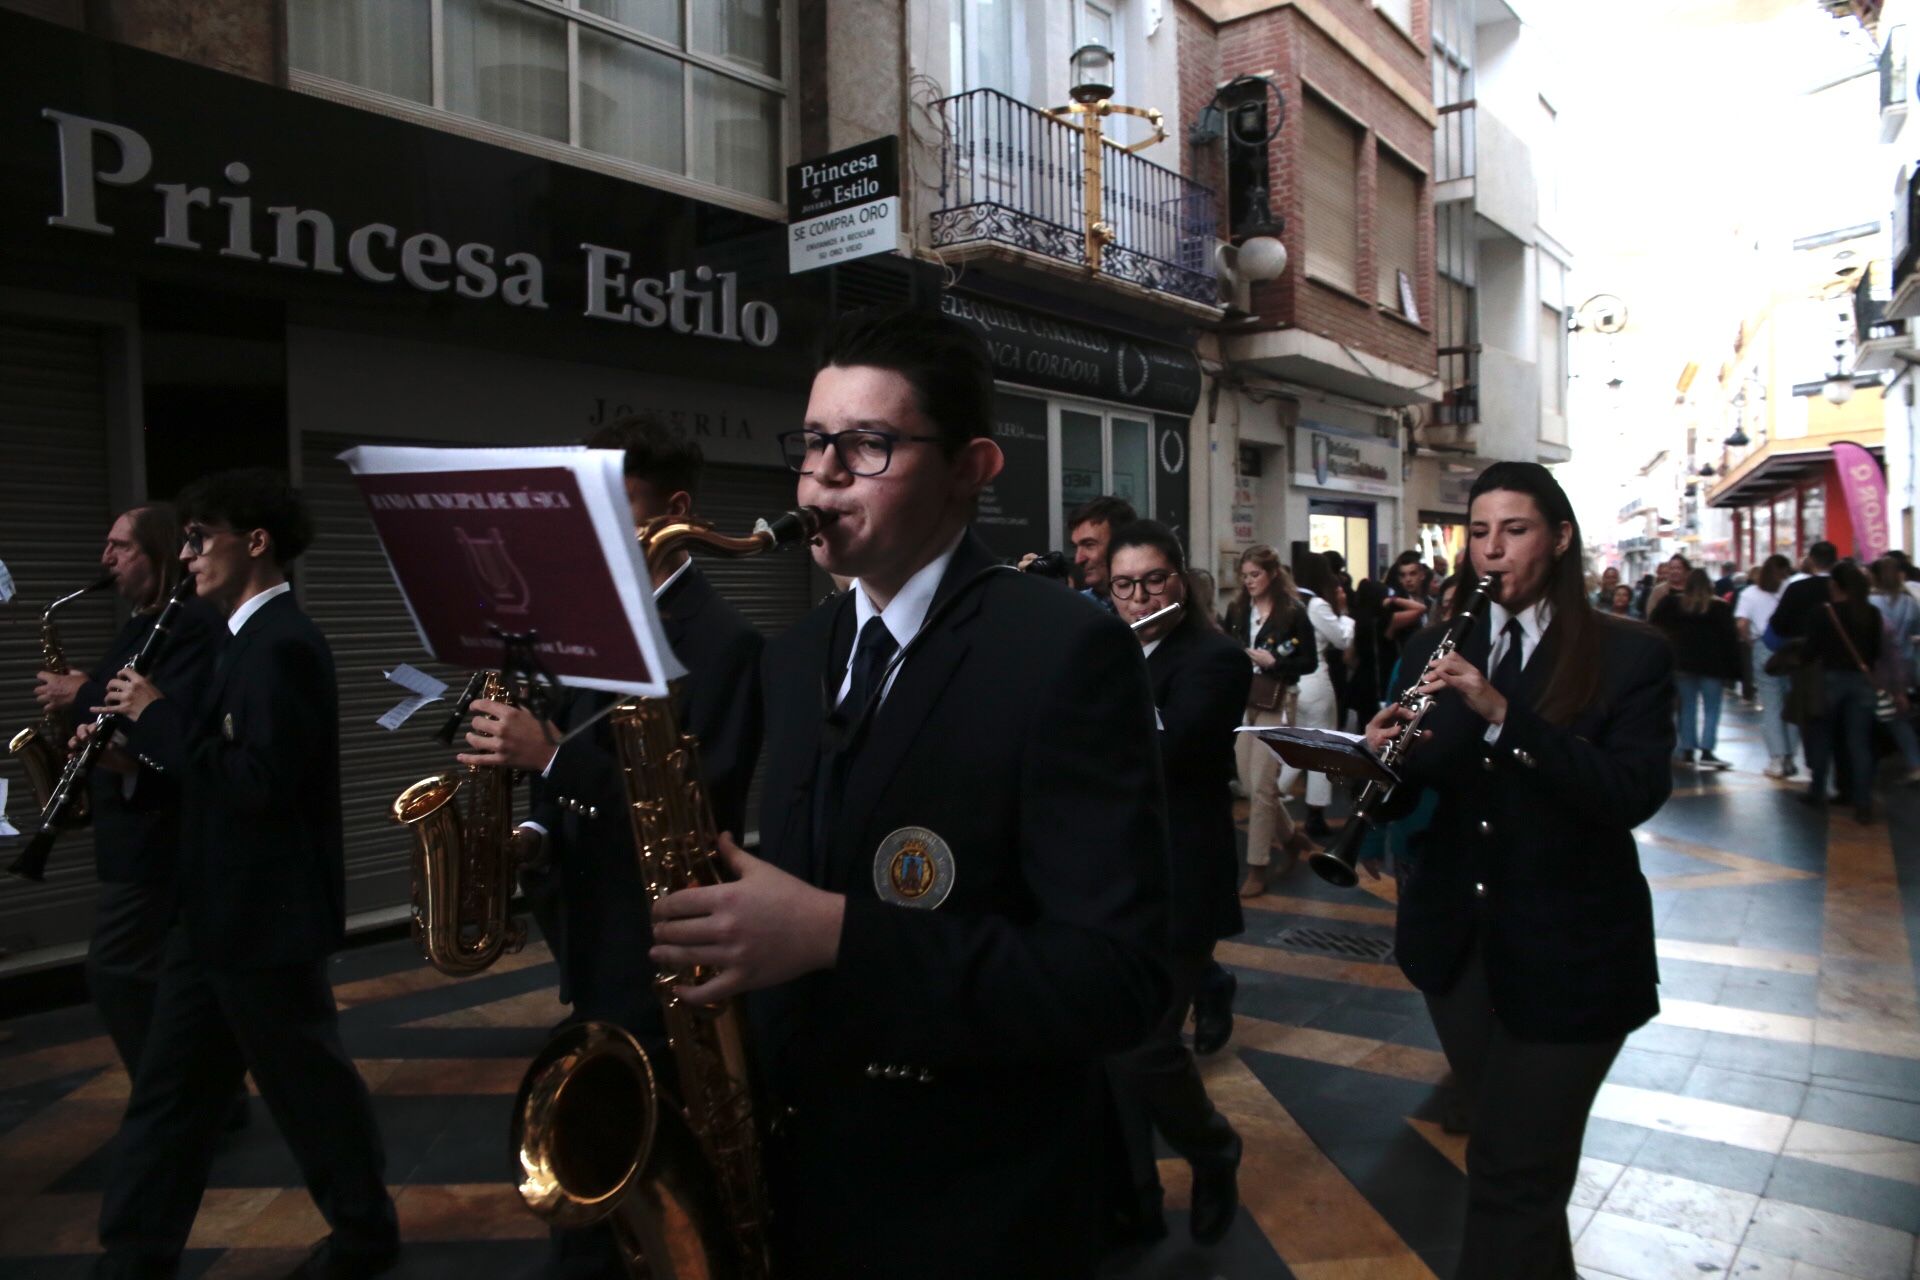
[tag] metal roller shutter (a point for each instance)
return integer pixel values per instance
(346, 588)
(773, 590)
(55, 508)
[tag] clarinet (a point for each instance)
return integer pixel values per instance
(32, 862)
(1337, 865)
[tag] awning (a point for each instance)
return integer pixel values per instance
(1782, 464)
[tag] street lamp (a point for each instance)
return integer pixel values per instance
(1091, 93)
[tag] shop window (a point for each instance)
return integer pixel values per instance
(628, 80)
(1786, 519)
(1813, 514)
(1104, 452)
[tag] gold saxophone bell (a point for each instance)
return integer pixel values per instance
(463, 860)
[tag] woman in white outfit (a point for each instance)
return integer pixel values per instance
(1270, 622)
(1314, 578)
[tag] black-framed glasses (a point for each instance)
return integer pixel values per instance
(196, 537)
(863, 451)
(1152, 583)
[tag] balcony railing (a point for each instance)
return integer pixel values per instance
(1013, 175)
(1870, 298)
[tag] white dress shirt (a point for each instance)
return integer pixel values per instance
(253, 606)
(1533, 624)
(904, 614)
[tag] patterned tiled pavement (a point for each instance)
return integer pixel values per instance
(1765, 1127)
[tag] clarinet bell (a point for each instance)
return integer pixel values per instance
(1337, 864)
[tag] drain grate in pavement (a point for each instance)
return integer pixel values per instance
(1334, 942)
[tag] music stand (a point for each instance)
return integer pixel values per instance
(1328, 751)
(520, 559)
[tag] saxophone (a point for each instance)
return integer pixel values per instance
(463, 854)
(42, 747)
(683, 1184)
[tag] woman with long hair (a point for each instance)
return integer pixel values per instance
(1319, 709)
(1751, 614)
(1525, 920)
(1706, 650)
(1900, 628)
(1270, 623)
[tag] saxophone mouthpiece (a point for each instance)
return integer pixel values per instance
(802, 524)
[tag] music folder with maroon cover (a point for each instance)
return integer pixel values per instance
(541, 540)
(1328, 751)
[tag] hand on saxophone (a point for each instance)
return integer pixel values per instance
(56, 693)
(762, 928)
(503, 734)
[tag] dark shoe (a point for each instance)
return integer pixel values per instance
(1213, 1011)
(1708, 760)
(1686, 758)
(1317, 823)
(1814, 799)
(1216, 1197)
(328, 1262)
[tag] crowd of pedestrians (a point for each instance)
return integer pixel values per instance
(1824, 650)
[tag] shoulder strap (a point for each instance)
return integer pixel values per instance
(1834, 616)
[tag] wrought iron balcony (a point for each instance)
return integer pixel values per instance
(1013, 175)
(1460, 375)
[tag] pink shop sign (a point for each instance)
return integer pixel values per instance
(1866, 489)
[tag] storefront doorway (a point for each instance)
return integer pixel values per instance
(1345, 527)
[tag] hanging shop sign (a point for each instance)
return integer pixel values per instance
(1326, 459)
(1053, 354)
(844, 206)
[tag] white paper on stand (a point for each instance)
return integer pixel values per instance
(6, 828)
(6, 583)
(422, 689)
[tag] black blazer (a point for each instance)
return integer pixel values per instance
(262, 880)
(137, 836)
(1289, 640)
(1531, 845)
(948, 1116)
(1200, 680)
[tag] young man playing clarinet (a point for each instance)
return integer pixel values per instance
(243, 985)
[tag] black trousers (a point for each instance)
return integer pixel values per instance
(131, 919)
(209, 1026)
(1530, 1103)
(1156, 1085)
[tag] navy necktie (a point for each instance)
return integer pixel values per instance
(871, 654)
(1506, 676)
(870, 657)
